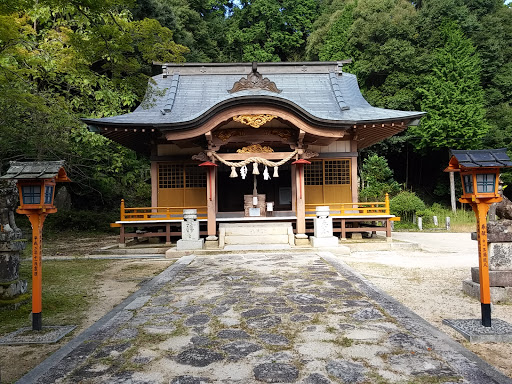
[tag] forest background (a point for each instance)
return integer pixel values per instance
(61, 60)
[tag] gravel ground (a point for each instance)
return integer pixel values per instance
(429, 282)
(263, 317)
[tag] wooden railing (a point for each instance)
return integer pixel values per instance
(354, 209)
(157, 213)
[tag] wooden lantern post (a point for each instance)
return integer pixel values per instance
(36, 186)
(480, 171)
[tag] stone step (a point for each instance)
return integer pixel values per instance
(257, 247)
(499, 295)
(132, 251)
(256, 229)
(256, 239)
(496, 278)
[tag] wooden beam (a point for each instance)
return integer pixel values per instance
(244, 156)
(301, 138)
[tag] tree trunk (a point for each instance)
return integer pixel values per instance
(452, 192)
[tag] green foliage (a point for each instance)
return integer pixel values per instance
(60, 61)
(80, 221)
(406, 204)
(199, 25)
(452, 96)
(270, 30)
(377, 179)
(336, 44)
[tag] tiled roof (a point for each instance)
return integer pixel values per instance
(33, 170)
(482, 158)
(328, 97)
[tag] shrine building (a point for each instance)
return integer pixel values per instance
(252, 142)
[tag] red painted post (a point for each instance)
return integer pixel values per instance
(481, 210)
(37, 220)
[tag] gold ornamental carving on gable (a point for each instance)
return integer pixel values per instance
(226, 134)
(255, 148)
(254, 121)
(254, 81)
(282, 133)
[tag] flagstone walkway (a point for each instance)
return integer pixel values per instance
(262, 317)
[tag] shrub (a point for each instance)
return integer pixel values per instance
(377, 179)
(406, 204)
(75, 220)
(427, 216)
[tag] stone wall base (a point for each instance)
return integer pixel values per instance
(183, 245)
(499, 295)
(322, 242)
(15, 303)
(9, 291)
(496, 278)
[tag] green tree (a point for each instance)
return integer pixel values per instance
(63, 60)
(270, 30)
(200, 25)
(377, 179)
(452, 96)
(387, 60)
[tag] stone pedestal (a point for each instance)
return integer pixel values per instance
(12, 288)
(499, 235)
(189, 232)
(323, 232)
(212, 242)
(302, 239)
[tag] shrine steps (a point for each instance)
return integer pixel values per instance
(264, 234)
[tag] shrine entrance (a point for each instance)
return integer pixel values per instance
(276, 190)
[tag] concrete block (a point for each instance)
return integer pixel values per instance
(211, 244)
(324, 242)
(496, 278)
(182, 245)
(302, 240)
(251, 239)
(222, 237)
(256, 229)
(499, 295)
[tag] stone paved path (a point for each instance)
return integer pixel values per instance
(271, 318)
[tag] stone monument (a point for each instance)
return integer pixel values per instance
(323, 232)
(13, 290)
(499, 236)
(189, 232)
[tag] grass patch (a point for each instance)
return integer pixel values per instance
(342, 341)
(68, 291)
(463, 220)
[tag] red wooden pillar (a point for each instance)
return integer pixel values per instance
(300, 196)
(211, 201)
(37, 220)
(483, 261)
